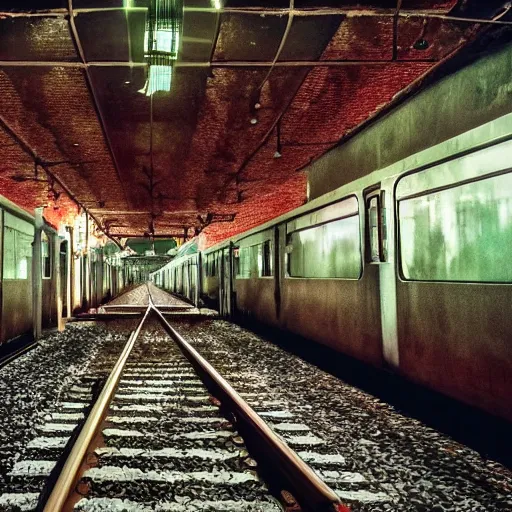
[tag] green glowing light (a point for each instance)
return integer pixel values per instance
(159, 79)
(162, 41)
(217, 4)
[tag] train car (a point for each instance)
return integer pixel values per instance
(182, 275)
(407, 268)
(17, 235)
(70, 281)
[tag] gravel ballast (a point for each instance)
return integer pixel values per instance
(401, 464)
(166, 444)
(32, 389)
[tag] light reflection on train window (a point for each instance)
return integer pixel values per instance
(373, 225)
(266, 263)
(46, 256)
(17, 254)
(255, 261)
(248, 262)
(331, 250)
(462, 233)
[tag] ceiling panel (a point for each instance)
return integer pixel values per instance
(257, 3)
(36, 38)
(224, 133)
(95, 4)
(360, 38)
(237, 140)
(430, 38)
(435, 5)
(199, 31)
(127, 117)
(308, 37)
(50, 109)
(332, 101)
(32, 5)
(111, 35)
(386, 4)
(249, 37)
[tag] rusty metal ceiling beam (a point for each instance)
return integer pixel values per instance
(138, 234)
(256, 11)
(145, 212)
(216, 64)
(328, 11)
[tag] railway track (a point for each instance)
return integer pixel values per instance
(167, 432)
(8, 357)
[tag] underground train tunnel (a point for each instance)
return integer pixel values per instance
(255, 255)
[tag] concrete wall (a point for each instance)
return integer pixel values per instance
(469, 98)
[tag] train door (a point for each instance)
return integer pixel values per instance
(378, 256)
(279, 249)
(225, 282)
(193, 279)
(64, 275)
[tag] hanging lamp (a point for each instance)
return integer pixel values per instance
(164, 26)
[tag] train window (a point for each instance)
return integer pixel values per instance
(330, 250)
(17, 254)
(248, 261)
(211, 264)
(236, 261)
(373, 228)
(376, 237)
(244, 267)
(46, 256)
(459, 233)
(266, 259)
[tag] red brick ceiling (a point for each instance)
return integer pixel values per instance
(252, 79)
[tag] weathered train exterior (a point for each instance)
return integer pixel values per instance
(407, 268)
(182, 276)
(68, 282)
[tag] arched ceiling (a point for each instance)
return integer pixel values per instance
(260, 88)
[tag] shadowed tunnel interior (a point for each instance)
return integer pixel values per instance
(258, 91)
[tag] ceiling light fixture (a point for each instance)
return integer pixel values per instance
(164, 25)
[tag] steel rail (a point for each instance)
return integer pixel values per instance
(17, 353)
(310, 490)
(70, 472)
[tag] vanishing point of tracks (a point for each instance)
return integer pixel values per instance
(167, 424)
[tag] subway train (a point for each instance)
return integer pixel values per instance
(71, 279)
(408, 268)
